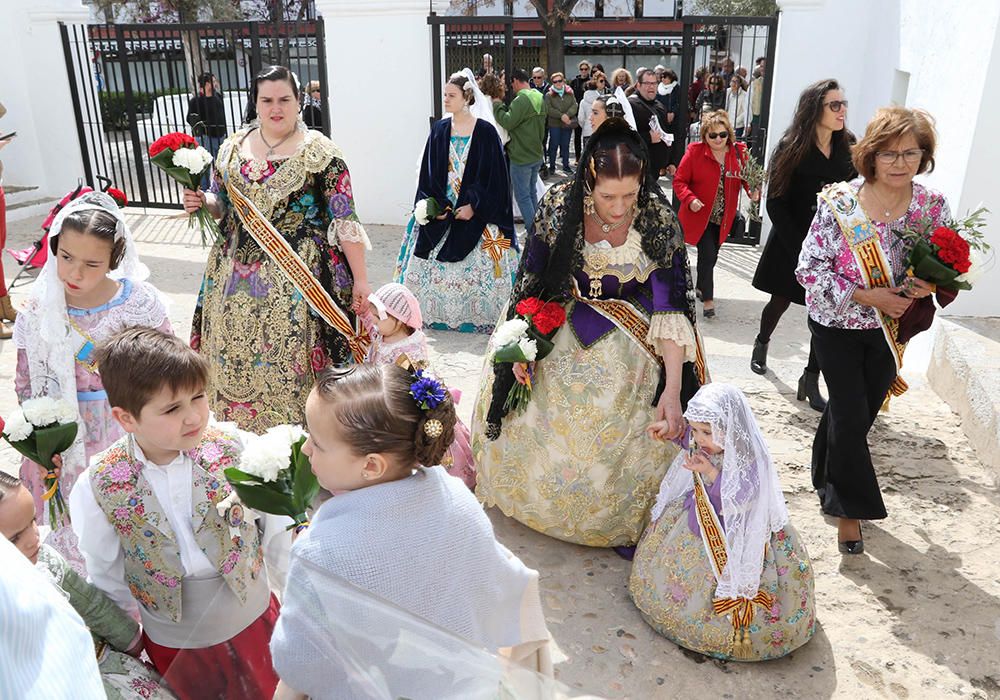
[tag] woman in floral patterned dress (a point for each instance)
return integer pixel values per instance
(264, 341)
(720, 570)
(576, 463)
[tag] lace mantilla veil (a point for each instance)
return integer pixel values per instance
(753, 506)
(45, 332)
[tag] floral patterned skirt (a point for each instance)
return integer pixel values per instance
(463, 296)
(672, 584)
(577, 464)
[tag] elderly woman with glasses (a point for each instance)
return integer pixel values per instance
(708, 185)
(863, 306)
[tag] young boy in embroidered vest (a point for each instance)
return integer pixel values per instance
(152, 535)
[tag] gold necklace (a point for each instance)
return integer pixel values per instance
(887, 213)
(606, 227)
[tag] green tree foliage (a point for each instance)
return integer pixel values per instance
(736, 8)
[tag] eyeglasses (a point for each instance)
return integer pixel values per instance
(909, 156)
(717, 135)
(647, 82)
(836, 105)
(557, 82)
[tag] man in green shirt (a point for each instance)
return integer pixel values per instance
(524, 120)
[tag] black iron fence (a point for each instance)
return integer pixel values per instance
(131, 84)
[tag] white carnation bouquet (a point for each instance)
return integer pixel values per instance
(427, 210)
(40, 430)
(274, 475)
(183, 160)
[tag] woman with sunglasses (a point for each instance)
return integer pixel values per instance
(708, 185)
(863, 306)
(713, 97)
(596, 87)
(813, 152)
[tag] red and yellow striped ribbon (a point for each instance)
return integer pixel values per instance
(288, 261)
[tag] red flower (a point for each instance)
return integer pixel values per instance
(952, 248)
(119, 197)
(173, 141)
(549, 318)
(317, 358)
(529, 306)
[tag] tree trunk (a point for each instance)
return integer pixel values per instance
(555, 40)
(194, 59)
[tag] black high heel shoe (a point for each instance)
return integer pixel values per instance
(758, 359)
(809, 389)
(853, 546)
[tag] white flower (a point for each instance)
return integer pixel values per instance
(529, 347)
(977, 269)
(290, 433)
(194, 159)
(266, 455)
(510, 332)
(420, 212)
(17, 427)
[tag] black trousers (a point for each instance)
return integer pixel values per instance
(858, 368)
(708, 254)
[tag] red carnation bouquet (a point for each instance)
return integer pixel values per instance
(525, 339)
(182, 159)
(951, 256)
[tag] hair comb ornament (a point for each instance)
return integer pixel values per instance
(433, 428)
(427, 391)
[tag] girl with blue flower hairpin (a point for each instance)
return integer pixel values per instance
(400, 528)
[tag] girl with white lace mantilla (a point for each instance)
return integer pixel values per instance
(720, 570)
(401, 530)
(92, 287)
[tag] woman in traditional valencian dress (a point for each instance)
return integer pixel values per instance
(576, 463)
(721, 570)
(460, 265)
(266, 337)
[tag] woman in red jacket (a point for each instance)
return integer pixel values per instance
(708, 185)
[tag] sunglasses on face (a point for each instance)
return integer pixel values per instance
(836, 105)
(557, 82)
(717, 135)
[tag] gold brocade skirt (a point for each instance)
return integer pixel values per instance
(576, 464)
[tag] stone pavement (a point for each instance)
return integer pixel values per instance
(917, 616)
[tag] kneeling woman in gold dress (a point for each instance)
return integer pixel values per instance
(576, 464)
(721, 570)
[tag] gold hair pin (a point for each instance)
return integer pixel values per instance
(433, 428)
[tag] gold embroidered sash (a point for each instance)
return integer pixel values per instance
(627, 318)
(862, 238)
(280, 251)
(740, 610)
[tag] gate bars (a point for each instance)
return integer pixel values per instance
(131, 84)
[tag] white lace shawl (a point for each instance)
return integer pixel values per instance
(43, 328)
(753, 506)
(423, 543)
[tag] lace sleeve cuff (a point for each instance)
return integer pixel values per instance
(676, 327)
(344, 231)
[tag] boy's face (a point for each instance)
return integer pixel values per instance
(170, 422)
(17, 522)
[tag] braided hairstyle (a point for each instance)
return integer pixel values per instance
(378, 414)
(615, 150)
(8, 484)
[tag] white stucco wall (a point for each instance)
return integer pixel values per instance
(34, 88)
(951, 52)
(380, 116)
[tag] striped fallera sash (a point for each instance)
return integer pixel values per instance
(294, 268)
(862, 238)
(713, 537)
(627, 318)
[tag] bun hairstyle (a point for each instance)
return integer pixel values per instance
(97, 223)
(463, 84)
(269, 73)
(377, 413)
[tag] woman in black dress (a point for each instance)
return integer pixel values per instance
(813, 152)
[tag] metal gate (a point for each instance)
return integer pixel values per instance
(708, 42)
(460, 42)
(131, 84)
